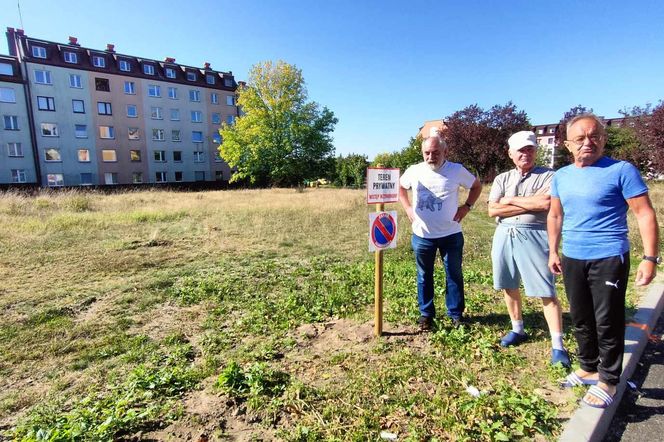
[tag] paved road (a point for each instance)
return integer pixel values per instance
(640, 416)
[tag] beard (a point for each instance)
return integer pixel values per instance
(436, 165)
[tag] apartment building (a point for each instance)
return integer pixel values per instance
(99, 117)
(17, 161)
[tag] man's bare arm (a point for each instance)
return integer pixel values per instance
(647, 222)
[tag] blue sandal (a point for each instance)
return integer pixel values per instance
(574, 380)
(600, 394)
(513, 338)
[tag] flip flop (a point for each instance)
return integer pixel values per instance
(600, 394)
(574, 380)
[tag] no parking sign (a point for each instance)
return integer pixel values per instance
(383, 230)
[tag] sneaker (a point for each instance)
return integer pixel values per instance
(458, 322)
(513, 338)
(560, 357)
(425, 324)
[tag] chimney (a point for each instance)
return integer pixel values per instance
(169, 60)
(20, 32)
(207, 65)
(110, 48)
(73, 41)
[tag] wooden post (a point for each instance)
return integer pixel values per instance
(378, 287)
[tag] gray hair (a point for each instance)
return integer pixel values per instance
(586, 116)
(436, 138)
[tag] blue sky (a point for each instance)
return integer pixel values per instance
(384, 67)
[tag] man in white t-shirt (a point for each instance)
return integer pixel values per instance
(435, 215)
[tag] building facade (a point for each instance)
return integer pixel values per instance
(97, 117)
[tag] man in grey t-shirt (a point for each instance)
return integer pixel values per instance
(519, 200)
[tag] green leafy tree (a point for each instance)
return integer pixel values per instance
(281, 138)
(350, 170)
(409, 155)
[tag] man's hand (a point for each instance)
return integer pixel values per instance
(555, 265)
(410, 213)
(461, 213)
(646, 272)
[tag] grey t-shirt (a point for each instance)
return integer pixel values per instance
(537, 181)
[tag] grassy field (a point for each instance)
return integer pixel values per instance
(247, 315)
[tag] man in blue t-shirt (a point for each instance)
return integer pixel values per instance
(589, 202)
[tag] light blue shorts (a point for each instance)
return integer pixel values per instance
(520, 252)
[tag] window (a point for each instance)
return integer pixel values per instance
(135, 156)
(133, 133)
(55, 180)
(125, 66)
(11, 122)
(78, 106)
(170, 73)
(228, 82)
(540, 131)
(52, 154)
(132, 111)
(218, 175)
(7, 95)
(104, 108)
(129, 87)
(46, 103)
(194, 95)
(14, 149)
(137, 177)
(49, 129)
(75, 81)
(175, 135)
(39, 52)
(107, 132)
(111, 178)
(552, 130)
(81, 130)
(102, 84)
(173, 93)
(155, 113)
(230, 119)
(109, 156)
(549, 141)
(216, 118)
(216, 138)
(178, 176)
(196, 117)
(18, 176)
(175, 114)
(198, 157)
(209, 79)
(160, 177)
(43, 77)
(83, 155)
(217, 157)
(154, 90)
(191, 76)
(177, 156)
(71, 57)
(158, 134)
(6, 69)
(197, 136)
(199, 175)
(86, 179)
(230, 100)
(98, 61)
(160, 156)
(214, 98)
(148, 69)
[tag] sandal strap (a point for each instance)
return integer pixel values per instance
(601, 394)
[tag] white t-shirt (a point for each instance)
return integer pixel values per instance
(436, 197)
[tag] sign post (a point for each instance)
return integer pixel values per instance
(382, 187)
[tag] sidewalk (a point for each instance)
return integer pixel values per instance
(591, 424)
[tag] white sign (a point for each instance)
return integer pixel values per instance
(382, 230)
(382, 185)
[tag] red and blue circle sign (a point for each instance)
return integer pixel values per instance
(383, 230)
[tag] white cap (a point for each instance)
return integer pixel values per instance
(522, 139)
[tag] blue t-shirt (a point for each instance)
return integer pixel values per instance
(594, 206)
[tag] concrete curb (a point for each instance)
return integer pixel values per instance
(591, 424)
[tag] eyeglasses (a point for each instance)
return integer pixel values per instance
(595, 139)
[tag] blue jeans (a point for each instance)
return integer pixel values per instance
(451, 250)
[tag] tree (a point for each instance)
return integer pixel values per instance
(280, 138)
(648, 126)
(407, 156)
(350, 170)
(478, 139)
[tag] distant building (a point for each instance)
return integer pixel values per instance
(78, 116)
(431, 128)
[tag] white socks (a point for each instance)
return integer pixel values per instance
(557, 341)
(517, 327)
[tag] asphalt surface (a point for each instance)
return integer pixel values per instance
(640, 415)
